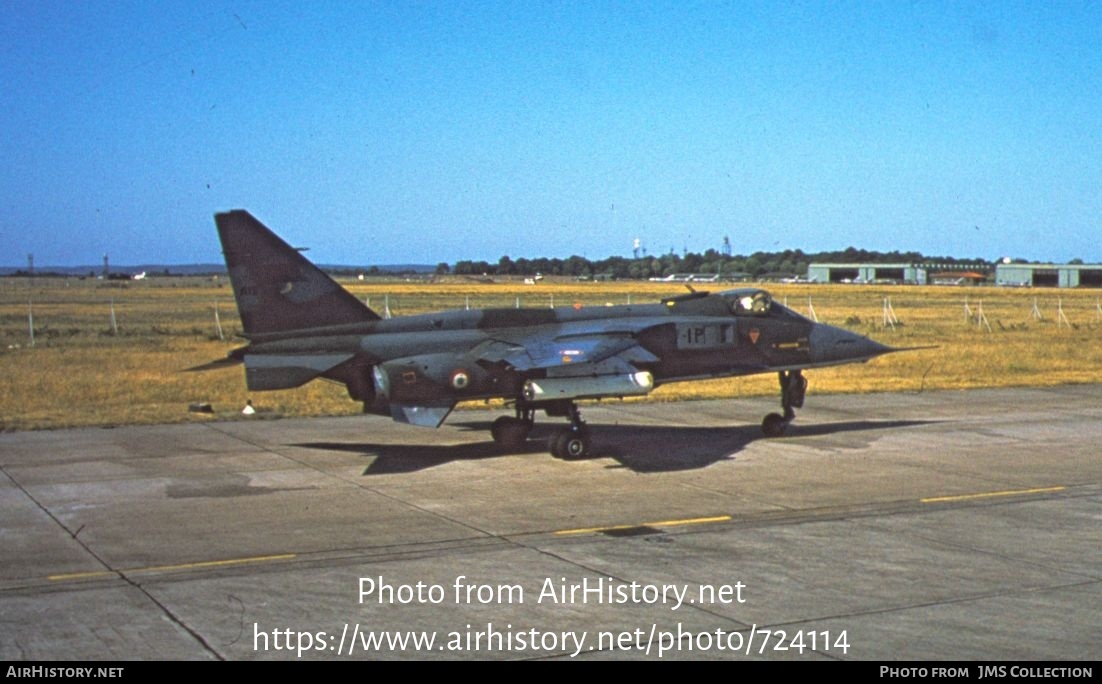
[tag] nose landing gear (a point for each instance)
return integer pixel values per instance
(793, 391)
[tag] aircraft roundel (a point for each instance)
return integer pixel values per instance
(460, 379)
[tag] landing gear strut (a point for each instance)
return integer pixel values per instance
(567, 442)
(793, 390)
(571, 442)
(512, 432)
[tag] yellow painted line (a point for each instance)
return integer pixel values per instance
(662, 523)
(169, 568)
(988, 495)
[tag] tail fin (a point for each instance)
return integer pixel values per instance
(277, 289)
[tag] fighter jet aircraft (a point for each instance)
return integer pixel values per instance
(301, 325)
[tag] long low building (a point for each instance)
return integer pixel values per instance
(866, 273)
(1049, 275)
(1007, 275)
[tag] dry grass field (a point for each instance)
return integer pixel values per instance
(85, 370)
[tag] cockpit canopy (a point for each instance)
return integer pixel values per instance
(755, 302)
(749, 301)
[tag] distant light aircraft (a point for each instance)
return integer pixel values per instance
(301, 325)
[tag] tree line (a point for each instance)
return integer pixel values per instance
(758, 264)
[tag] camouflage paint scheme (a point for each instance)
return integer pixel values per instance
(302, 325)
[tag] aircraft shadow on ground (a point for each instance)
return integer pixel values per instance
(640, 448)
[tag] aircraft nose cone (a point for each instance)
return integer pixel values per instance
(830, 344)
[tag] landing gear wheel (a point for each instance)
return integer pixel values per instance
(569, 444)
(774, 425)
(793, 390)
(554, 443)
(496, 427)
(575, 445)
(510, 433)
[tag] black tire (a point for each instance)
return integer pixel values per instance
(514, 434)
(574, 445)
(569, 444)
(510, 433)
(497, 429)
(774, 425)
(555, 443)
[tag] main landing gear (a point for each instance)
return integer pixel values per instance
(793, 391)
(570, 442)
(512, 433)
(566, 442)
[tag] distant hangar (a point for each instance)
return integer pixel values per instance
(910, 274)
(1007, 275)
(1049, 275)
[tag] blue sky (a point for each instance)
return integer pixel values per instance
(406, 132)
